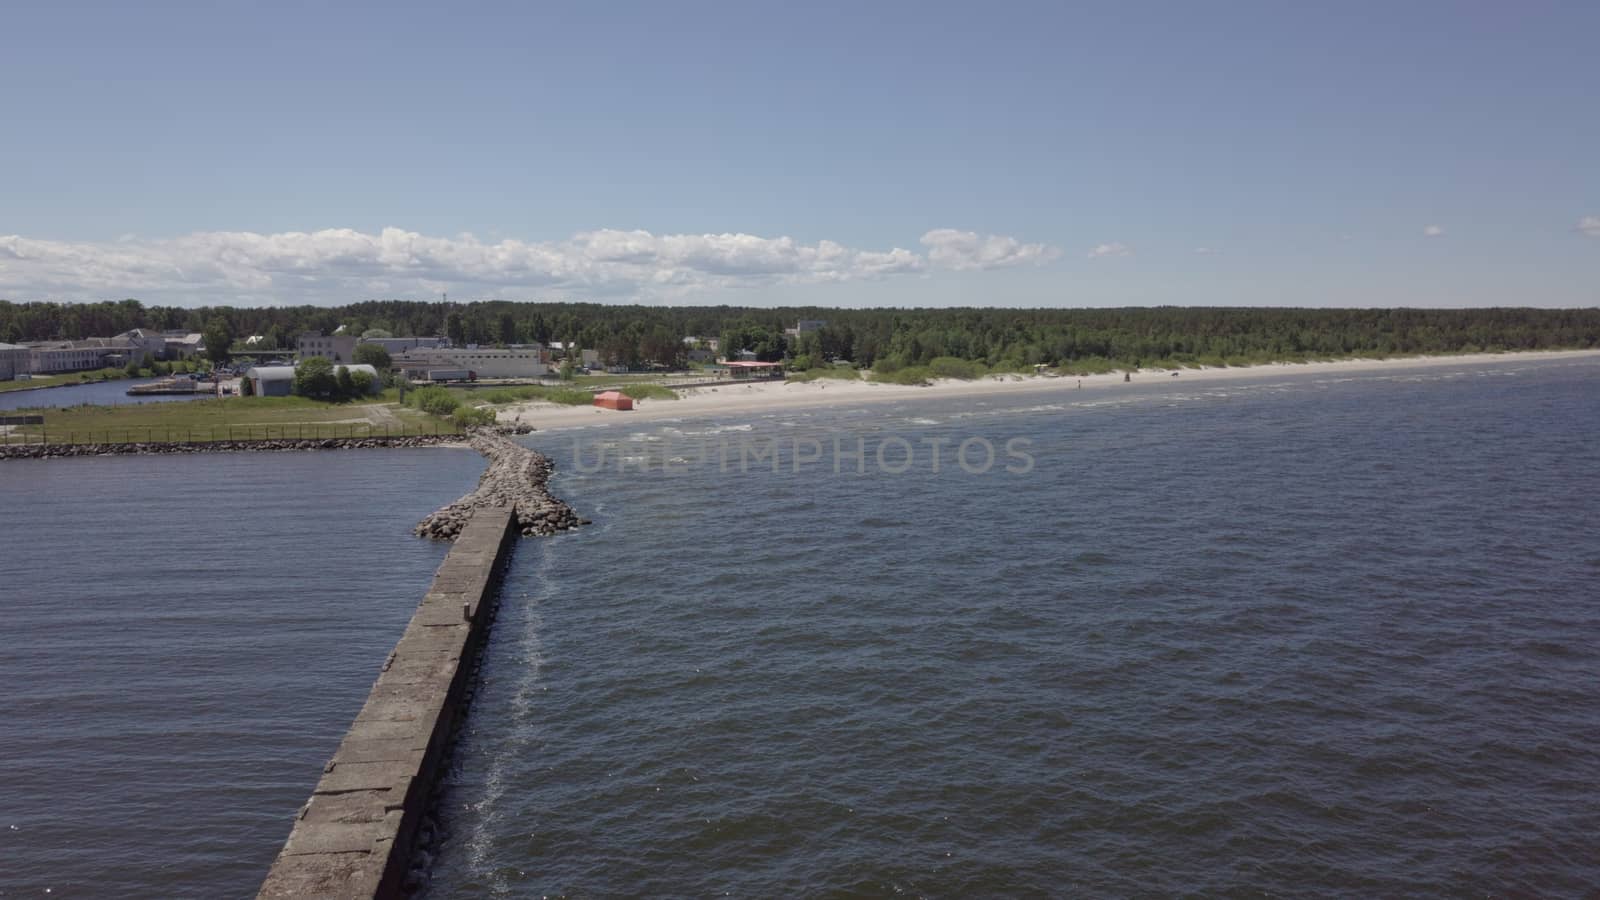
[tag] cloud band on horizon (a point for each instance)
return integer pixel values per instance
(234, 266)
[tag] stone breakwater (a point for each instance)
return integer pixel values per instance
(145, 448)
(358, 835)
(516, 479)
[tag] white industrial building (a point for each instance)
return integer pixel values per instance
(271, 381)
(339, 348)
(278, 381)
(516, 361)
(55, 357)
(398, 345)
(14, 361)
(182, 344)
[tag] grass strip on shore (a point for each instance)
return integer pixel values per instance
(229, 418)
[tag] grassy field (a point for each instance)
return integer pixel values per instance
(226, 419)
(38, 381)
(830, 372)
(590, 382)
(647, 391)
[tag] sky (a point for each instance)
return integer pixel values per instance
(833, 154)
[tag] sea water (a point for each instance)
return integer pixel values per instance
(1299, 633)
(1306, 633)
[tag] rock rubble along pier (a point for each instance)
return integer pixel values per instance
(516, 480)
(269, 445)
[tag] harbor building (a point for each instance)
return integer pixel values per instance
(338, 348)
(515, 361)
(271, 381)
(14, 361)
(398, 345)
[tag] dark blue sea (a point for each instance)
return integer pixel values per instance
(1303, 633)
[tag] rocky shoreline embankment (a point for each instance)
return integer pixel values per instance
(148, 448)
(516, 479)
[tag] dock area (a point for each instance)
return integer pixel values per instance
(175, 386)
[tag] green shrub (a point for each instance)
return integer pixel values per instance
(466, 416)
(1088, 365)
(840, 373)
(563, 395)
(950, 367)
(907, 375)
(433, 399)
(373, 355)
(315, 378)
(649, 392)
(500, 397)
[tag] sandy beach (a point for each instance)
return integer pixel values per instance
(776, 396)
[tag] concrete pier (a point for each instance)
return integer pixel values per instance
(355, 835)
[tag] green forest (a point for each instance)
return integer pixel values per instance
(885, 339)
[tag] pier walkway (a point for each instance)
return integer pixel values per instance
(354, 837)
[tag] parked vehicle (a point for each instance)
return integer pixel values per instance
(452, 375)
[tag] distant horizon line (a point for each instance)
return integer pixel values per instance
(783, 307)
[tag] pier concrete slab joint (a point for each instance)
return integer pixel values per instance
(353, 838)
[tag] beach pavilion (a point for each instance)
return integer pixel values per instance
(747, 369)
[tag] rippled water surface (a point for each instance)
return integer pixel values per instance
(102, 393)
(186, 639)
(1301, 634)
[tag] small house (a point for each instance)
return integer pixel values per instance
(613, 400)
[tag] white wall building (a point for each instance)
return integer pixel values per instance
(55, 357)
(397, 345)
(338, 348)
(271, 381)
(14, 361)
(182, 344)
(516, 361)
(144, 343)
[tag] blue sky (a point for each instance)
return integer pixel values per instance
(839, 154)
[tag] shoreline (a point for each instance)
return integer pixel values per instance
(256, 445)
(781, 396)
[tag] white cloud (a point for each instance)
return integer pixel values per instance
(1205, 251)
(1116, 248)
(1589, 225)
(342, 264)
(1433, 231)
(962, 250)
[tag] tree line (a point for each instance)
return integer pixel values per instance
(882, 338)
